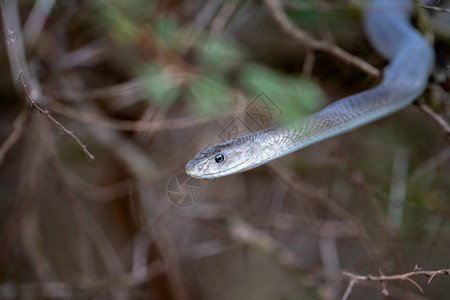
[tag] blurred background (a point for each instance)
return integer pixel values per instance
(145, 85)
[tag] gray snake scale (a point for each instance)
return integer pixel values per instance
(411, 58)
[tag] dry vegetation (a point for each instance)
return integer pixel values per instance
(103, 103)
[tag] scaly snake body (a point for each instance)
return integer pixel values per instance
(411, 60)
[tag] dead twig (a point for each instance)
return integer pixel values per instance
(302, 37)
(17, 132)
(349, 288)
(53, 289)
(126, 125)
(310, 42)
(36, 20)
(222, 17)
(354, 278)
(247, 234)
(91, 227)
(434, 117)
(432, 163)
(26, 216)
(332, 206)
(375, 199)
(397, 191)
(30, 100)
(435, 8)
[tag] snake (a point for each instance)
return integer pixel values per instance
(411, 59)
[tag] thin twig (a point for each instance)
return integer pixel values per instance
(247, 234)
(397, 191)
(349, 288)
(435, 117)
(36, 20)
(308, 63)
(432, 163)
(375, 199)
(308, 41)
(96, 234)
(126, 125)
(53, 289)
(18, 124)
(26, 216)
(138, 163)
(435, 8)
(354, 278)
(126, 280)
(333, 207)
(33, 104)
(325, 5)
(222, 17)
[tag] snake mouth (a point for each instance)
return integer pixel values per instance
(194, 171)
(190, 170)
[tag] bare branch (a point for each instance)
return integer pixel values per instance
(126, 125)
(308, 41)
(333, 207)
(435, 8)
(434, 117)
(28, 97)
(18, 124)
(432, 163)
(36, 20)
(349, 288)
(354, 278)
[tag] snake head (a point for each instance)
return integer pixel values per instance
(224, 158)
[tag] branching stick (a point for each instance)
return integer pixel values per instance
(33, 104)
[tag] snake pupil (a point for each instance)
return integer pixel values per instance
(219, 158)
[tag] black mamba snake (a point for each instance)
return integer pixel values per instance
(411, 58)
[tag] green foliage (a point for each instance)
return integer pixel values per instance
(123, 18)
(307, 16)
(296, 97)
(218, 54)
(119, 24)
(312, 15)
(167, 30)
(160, 87)
(210, 94)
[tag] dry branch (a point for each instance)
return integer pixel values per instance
(33, 104)
(332, 206)
(310, 42)
(435, 8)
(354, 278)
(17, 132)
(434, 117)
(302, 37)
(103, 121)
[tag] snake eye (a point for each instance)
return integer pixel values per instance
(219, 158)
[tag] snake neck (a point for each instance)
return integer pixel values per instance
(405, 78)
(411, 61)
(337, 118)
